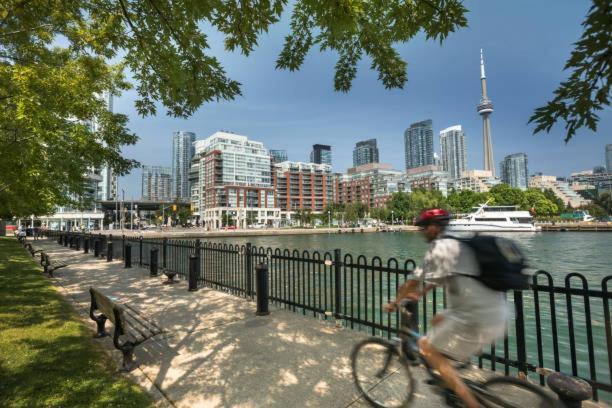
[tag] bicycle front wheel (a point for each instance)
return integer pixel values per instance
(381, 374)
(511, 392)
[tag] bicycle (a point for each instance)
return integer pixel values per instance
(392, 369)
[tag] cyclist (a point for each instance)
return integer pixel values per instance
(475, 315)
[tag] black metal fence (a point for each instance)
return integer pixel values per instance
(564, 328)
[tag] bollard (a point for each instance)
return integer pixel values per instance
(140, 251)
(66, 241)
(570, 390)
(261, 286)
(59, 239)
(86, 246)
(193, 273)
(109, 251)
(77, 244)
(97, 248)
(127, 255)
(153, 262)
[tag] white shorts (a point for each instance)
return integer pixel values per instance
(460, 340)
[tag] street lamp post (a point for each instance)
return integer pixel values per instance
(329, 219)
(392, 221)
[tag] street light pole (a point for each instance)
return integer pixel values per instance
(392, 220)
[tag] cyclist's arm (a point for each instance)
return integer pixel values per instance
(409, 290)
(437, 265)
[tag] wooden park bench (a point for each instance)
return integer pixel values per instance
(32, 250)
(50, 266)
(132, 325)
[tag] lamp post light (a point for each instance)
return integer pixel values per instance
(329, 219)
(392, 221)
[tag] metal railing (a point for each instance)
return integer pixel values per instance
(565, 328)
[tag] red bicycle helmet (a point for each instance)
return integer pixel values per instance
(433, 216)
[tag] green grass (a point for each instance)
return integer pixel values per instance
(48, 358)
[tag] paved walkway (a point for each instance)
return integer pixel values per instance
(217, 353)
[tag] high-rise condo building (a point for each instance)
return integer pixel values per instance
(182, 153)
(428, 177)
(279, 156)
(234, 183)
(485, 108)
(321, 154)
(452, 148)
(301, 186)
(370, 184)
(365, 152)
(156, 183)
(513, 170)
(418, 142)
(609, 158)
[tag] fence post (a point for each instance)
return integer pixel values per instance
(261, 275)
(521, 348)
(127, 255)
(153, 262)
(337, 284)
(109, 250)
(86, 246)
(77, 244)
(66, 240)
(97, 248)
(164, 252)
(248, 269)
(123, 246)
(140, 251)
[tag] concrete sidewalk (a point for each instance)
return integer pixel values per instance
(217, 353)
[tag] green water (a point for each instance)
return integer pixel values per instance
(558, 253)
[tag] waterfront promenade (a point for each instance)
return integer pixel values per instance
(217, 353)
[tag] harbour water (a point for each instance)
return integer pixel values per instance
(558, 253)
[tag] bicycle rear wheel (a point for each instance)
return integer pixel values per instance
(381, 375)
(511, 392)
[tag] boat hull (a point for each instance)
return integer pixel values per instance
(484, 227)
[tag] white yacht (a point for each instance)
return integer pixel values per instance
(495, 218)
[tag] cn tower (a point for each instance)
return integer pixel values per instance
(485, 108)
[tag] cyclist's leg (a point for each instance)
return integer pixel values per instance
(447, 373)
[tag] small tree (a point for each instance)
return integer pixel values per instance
(183, 215)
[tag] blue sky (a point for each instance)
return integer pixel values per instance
(526, 44)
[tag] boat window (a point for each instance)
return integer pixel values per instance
(525, 220)
(491, 219)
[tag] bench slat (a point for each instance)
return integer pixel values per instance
(104, 305)
(139, 316)
(137, 329)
